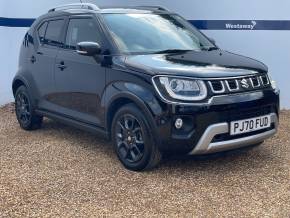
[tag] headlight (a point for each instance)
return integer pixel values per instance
(273, 84)
(179, 88)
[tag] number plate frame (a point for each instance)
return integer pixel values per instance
(250, 125)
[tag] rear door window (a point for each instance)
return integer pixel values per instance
(53, 33)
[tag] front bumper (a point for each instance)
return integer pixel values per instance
(206, 146)
(206, 127)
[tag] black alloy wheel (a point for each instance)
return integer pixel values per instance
(133, 141)
(25, 114)
(23, 109)
(129, 138)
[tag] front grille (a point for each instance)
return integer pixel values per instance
(255, 82)
(233, 84)
(217, 86)
(242, 84)
(265, 80)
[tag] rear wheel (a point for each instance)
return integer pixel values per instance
(133, 142)
(25, 113)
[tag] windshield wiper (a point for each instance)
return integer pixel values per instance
(211, 48)
(171, 51)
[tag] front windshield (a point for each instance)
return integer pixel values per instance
(153, 33)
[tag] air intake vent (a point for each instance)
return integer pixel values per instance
(255, 82)
(233, 84)
(217, 86)
(265, 80)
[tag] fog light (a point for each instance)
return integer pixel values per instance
(178, 123)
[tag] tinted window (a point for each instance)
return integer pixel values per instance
(41, 31)
(154, 33)
(81, 30)
(53, 32)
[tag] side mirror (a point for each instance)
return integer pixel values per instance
(212, 41)
(88, 48)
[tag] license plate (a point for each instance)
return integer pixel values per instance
(250, 125)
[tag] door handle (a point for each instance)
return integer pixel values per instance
(61, 66)
(32, 59)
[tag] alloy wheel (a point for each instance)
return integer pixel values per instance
(129, 137)
(23, 108)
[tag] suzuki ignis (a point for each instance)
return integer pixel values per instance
(145, 78)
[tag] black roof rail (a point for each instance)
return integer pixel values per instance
(88, 6)
(156, 7)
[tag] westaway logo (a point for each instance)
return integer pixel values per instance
(250, 26)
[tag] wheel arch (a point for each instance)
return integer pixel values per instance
(128, 93)
(17, 82)
(121, 100)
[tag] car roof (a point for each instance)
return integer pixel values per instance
(104, 10)
(134, 9)
(111, 10)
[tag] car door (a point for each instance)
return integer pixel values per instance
(49, 36)
(79, 79)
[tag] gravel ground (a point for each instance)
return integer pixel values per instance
(59, 171)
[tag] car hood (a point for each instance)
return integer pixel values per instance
(215, 63)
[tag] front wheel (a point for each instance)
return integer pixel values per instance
(133, 142)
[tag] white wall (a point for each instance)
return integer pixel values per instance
(10, 41)
(11, 37)
(271, 47)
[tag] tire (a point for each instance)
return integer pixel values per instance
(26, 116)
(133, 141)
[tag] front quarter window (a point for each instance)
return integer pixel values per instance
(41, 32)
(53, 33)
(151, 33)
(81, 30)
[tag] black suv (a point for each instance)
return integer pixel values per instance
(146, 79)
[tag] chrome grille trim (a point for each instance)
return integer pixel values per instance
(268, 81)
(217, 91)
(252, 82)
(255, 82)
(237, 85)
